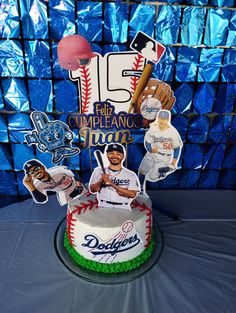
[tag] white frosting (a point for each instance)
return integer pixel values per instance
(108, 235)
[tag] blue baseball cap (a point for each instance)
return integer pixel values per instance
(31, 163)
(164, 114)
(115, 147)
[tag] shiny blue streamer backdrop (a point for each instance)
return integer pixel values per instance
(199, 64)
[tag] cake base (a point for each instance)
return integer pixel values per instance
(129, 272)
(118, 267)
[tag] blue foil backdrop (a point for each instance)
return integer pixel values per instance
(9, 21)
(168, 24)
(192, 26)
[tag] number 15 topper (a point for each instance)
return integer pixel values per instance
(54, 137)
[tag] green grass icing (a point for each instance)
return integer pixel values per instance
(111, 267)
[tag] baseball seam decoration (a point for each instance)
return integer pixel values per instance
(82, 208)
(148, 210)
(85, 89)
(137, 65)
(70, 228)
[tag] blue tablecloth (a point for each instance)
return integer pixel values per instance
(195, 274)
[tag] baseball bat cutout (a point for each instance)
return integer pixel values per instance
(146, 74)
(98, 156)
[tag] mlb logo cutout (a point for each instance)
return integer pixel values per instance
(148, 47)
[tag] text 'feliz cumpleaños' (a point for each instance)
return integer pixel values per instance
(104, 125)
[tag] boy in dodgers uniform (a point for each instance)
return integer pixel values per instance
(163, 145)
(118, 186)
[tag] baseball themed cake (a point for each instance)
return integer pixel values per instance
(109, 240)
(109, 224)
(110, 232)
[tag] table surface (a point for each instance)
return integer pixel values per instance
(195, 274)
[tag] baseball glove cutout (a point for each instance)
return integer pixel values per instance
(157, 95)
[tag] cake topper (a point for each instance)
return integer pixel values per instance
(117, 95)
(163, 144)
(54, 137)
(73, 52)
(110, 88)
(39, 180)
(148, 47)
(115, 185)
(155, 96)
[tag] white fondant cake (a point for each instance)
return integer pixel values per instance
(108, 235)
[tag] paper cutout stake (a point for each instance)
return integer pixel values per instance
(53, 137)
(163, 144)
(115, 185)
(39, 180)
(148, 47)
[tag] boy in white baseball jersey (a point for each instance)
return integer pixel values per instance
(38, 180)
(163, 144)
(118, 186)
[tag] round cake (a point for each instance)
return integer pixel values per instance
(109, 240)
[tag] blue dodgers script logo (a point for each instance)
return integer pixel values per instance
(113, 247)
(150, 109)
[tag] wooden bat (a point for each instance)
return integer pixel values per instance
(146, 74)
(98, 155)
